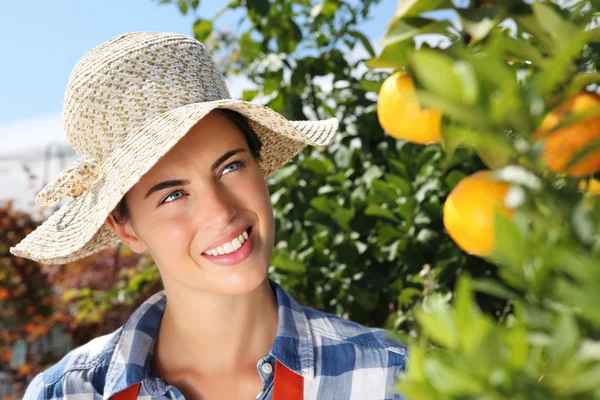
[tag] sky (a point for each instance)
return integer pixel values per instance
(41, 42)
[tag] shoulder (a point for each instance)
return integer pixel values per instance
(360, 362)
(343, 338)
(82, 370)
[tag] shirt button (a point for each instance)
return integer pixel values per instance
(267, 368)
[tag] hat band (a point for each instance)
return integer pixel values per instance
(70, 182)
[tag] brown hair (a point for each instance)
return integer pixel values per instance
(121, 212)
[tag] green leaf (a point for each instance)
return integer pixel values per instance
(566, 338)
(439, 325)
(370, 86)
(559, 68)
(464, 302)
(377, 210)
(472, 116)
(249, 49)
(282, 261)
(260, 6)
(437, 72)
(343, 216)
(317, 166)
(323, 204)
(517, 346)
(454, 177)
(385, 189)
(523, 50)
(326, 10)
(478, 22)
(183, 7)
(405, 29)
(586, 380)
(195, 4)
(202, 29)
(248, 95)
(407, 295)
(551, 21)
(580, 81)
(530, 24)
(395, 55)
(451, 380)
(399, 42)
(412, 8)
(583, 224)
(493, 288)
(289, 36)
(402, 184)
(365, 42)
(509, 246)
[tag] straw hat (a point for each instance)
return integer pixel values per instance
(128, 101)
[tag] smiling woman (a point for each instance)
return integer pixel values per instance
(170, 165)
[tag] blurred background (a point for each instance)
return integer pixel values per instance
(359, 225)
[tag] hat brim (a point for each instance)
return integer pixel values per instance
(78, 229)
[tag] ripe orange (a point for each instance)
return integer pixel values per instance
(563, 144)
(469, 212)
(401, 115)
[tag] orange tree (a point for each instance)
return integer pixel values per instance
(516, 83)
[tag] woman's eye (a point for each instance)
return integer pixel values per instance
(234, 166)
(173, 196)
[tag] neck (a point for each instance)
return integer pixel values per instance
(215, 334)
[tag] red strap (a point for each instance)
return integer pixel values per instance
(128, 394)
(288, 385)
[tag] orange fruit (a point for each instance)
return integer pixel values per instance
(468, 212)
(561, 145)
(402, 117)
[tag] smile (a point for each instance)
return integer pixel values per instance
(230, 247)
(232, 252)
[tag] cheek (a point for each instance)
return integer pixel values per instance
(172, 234)
(253, 193)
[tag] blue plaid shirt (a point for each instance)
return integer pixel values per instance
(338, 359)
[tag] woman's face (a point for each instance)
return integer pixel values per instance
(195, 203)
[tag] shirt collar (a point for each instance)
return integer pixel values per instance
(131, 361)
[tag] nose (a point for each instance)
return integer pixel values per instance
(215, 208)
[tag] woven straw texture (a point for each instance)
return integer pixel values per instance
(128, 101)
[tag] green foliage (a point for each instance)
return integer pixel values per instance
(511, 64)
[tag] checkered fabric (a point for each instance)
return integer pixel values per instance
(338, 359)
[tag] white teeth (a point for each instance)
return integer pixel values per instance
(230, 247)
(236, 243)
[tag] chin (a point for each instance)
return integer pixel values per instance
(239, 284)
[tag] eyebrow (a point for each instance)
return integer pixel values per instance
(179, 182)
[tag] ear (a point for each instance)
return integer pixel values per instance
(127, 235)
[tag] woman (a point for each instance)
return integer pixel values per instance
(170, 165)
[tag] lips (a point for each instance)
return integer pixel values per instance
(232, 259)
(227, 238)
